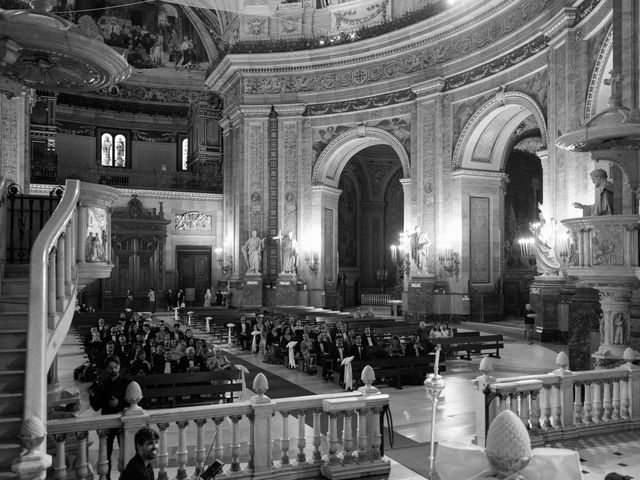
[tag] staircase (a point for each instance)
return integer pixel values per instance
(13, 343)
(37, 303)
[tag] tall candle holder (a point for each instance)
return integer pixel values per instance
(434, 384)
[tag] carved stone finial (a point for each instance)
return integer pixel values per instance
(486, 365)
(508, 444)
(133, 395)
(368, 376)
(562, 360)
(260, 386)
(32, 434)
(629, 355)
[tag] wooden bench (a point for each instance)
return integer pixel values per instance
(184, 389)
(471, 344)
(396, 368)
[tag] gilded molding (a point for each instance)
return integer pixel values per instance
(358, 104)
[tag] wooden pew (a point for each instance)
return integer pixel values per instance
(471, 344)
(396, 368)
(184, 389)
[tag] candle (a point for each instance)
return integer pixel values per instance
(435, 367)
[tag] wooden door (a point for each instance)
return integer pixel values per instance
(194, 271)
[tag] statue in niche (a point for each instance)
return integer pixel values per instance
(252, 252)
(289, 253)
(419, 244)
(546, 261)
(620, 332)
(604, 195)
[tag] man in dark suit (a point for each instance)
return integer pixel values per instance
(358, 350)
(191, 362)
(139, 467)
(338, 353)
(415, 348)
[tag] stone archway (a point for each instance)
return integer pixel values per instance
(335, 156)
(325, 191)
(485, 138)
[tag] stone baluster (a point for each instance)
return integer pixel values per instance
(60, 280)
(524, 408)
(163, 451)
(82, 465)
(534, 418)
(606, 401)
(376, 436)
(586, 410)
(556, 406)
(102, 467)
(596, 411)
(363, 451)
(252, 442)
(70, 259)
(615, 403)
(60, 460)
(218, 449)
(546, 407)
(200, 449)
(121, 451)
(624, 398)
(235, 443)
(301, 457)
(347, 438)
(317, 435)
(513, 402)
(51, 288)
(284, 439)
(333, 438)
(181, 453)
(577, 403)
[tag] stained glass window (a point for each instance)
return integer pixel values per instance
(121, 151)
(185, 154)
(106, 142)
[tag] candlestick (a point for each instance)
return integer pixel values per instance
(437, 362)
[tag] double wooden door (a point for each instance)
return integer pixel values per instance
(194, 271)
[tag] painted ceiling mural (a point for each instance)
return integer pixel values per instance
(154, 35)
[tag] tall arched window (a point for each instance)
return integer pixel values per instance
(184, 165)
(106, 144)
(113, 150)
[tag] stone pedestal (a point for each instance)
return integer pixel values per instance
(545, 294)
(252, 291)
(286, 289)
(584, 310)
(419, 295)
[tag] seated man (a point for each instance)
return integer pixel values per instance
(218, 361)
(191, 362)
(358, 350)
(339, 353)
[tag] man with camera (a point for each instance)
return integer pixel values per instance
(108, 395)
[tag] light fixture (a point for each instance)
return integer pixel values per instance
(57, 191)
(450, 261)
(14, 189)
(220, 258)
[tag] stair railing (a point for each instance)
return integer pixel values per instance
(52, 290)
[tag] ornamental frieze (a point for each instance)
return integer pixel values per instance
(496, 66)
(350, 19)
(193, 222)
(420, 59)
(358, 104)
(150, 94)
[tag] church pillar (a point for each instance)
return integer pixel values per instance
(320, 245)
(15, 106)
(566, 180)
(289, 133)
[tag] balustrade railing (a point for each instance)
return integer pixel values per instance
(563, 404)
(251, 438)
(26, 216)
(375, 298)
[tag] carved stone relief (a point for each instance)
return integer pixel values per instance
(536, 86)
(607, 246)
(256, 173)
(290, 150)
(463, 111)
(193, 222)
(97, 243)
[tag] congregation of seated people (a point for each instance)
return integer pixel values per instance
(147, 346)
(318, 346)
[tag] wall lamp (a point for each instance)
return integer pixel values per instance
(227, 266)
(14, 189)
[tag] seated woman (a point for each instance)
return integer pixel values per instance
(140, 366)
(306, 350)
(283, 350)
(218, 361)
(436, 331)
(396, 349)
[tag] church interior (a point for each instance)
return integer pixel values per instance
(451, 178)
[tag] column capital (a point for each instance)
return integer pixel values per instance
(558, 26)
(290, 110)
(255, 111)
(429, 87)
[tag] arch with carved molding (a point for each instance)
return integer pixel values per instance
(598, 92)
(493, 124)
(341, 149)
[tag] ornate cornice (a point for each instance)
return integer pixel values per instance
(512, 58)
(87, 121)
(431, 86)
(43, 189)
(133, 107)
(463, 172)
(358, 104)
(585, 8)
(251, 111)
(565, 19)
(407, 58)
(290, 110)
